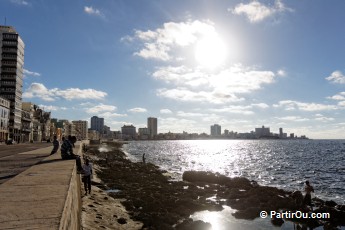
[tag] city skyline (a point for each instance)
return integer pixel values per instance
(188, 63)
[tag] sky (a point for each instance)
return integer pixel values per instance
(190, 63)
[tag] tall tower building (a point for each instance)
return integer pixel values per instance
(11, 76)
(152, 126)
(97, 123)
(216, 130)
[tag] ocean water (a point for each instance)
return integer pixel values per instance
(285, 164)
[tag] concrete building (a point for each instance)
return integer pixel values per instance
(144, 133)
(262, 132)
(97, 124)
(128, 132)
(216, 130)
(81, 129)
(4, 118)
(11, 76)
(152, 126)
(93, 134)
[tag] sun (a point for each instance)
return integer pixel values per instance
(210, 51)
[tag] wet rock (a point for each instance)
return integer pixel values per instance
(150, 197)
(330, 203)
(194, 225)
(248, 214)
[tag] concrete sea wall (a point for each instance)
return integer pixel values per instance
(45, 196)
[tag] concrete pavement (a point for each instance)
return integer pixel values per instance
(45, 196)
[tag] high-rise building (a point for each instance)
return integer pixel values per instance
(216, 130)
(152, 126)
(97, 124)
(11, 76)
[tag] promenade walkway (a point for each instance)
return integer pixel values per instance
(45, 196)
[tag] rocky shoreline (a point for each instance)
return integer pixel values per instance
(159, 203)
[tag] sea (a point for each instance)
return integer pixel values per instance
(285, 164)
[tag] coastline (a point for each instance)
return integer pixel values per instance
(158, 203)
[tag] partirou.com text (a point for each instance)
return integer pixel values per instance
(295, 214)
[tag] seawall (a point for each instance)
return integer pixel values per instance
(45, 196)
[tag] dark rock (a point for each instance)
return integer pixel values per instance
(277, 221)
(248, 214)
(330, 203)
(122, 221)
(194, 225)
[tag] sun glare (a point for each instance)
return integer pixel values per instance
(210, 51)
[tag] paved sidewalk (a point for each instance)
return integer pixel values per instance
(45, 196)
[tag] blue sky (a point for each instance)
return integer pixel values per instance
(191, 64)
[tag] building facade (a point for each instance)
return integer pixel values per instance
(97, 123)
(4, 118)
(262, 132)
(216, 130)
(81, 129)
(128, 132)
(152, 126)
(11, 76)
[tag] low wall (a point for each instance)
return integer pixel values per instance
(71, 216)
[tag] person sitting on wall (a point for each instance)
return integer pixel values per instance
(67, 153)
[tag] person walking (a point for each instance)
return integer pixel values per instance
(56, 145)
(87, 168)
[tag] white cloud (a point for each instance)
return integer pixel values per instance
(183, 94)
(20, 2)
(40, 91)
(292, 118)
(177, 125)
(236, 109)
(100, 108)
(217, 88)
(338, 97)
(92, 11)
(261, 105)
(165, 111)
(184, 114)
(110, 115)
(336, 77)
(160, 44)
(51, 107)
(138, 110)
(257, 12)
(295, 105)
(30, 73)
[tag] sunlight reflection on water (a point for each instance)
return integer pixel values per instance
(282, 163)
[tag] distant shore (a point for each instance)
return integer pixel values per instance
(151, 198)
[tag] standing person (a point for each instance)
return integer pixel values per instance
(308, 190)
(56, 145)
(87, 167)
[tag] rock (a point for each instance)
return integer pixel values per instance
(248, 214)
(330, 203)
(122, 221)
(277, 221)
(194, 225)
